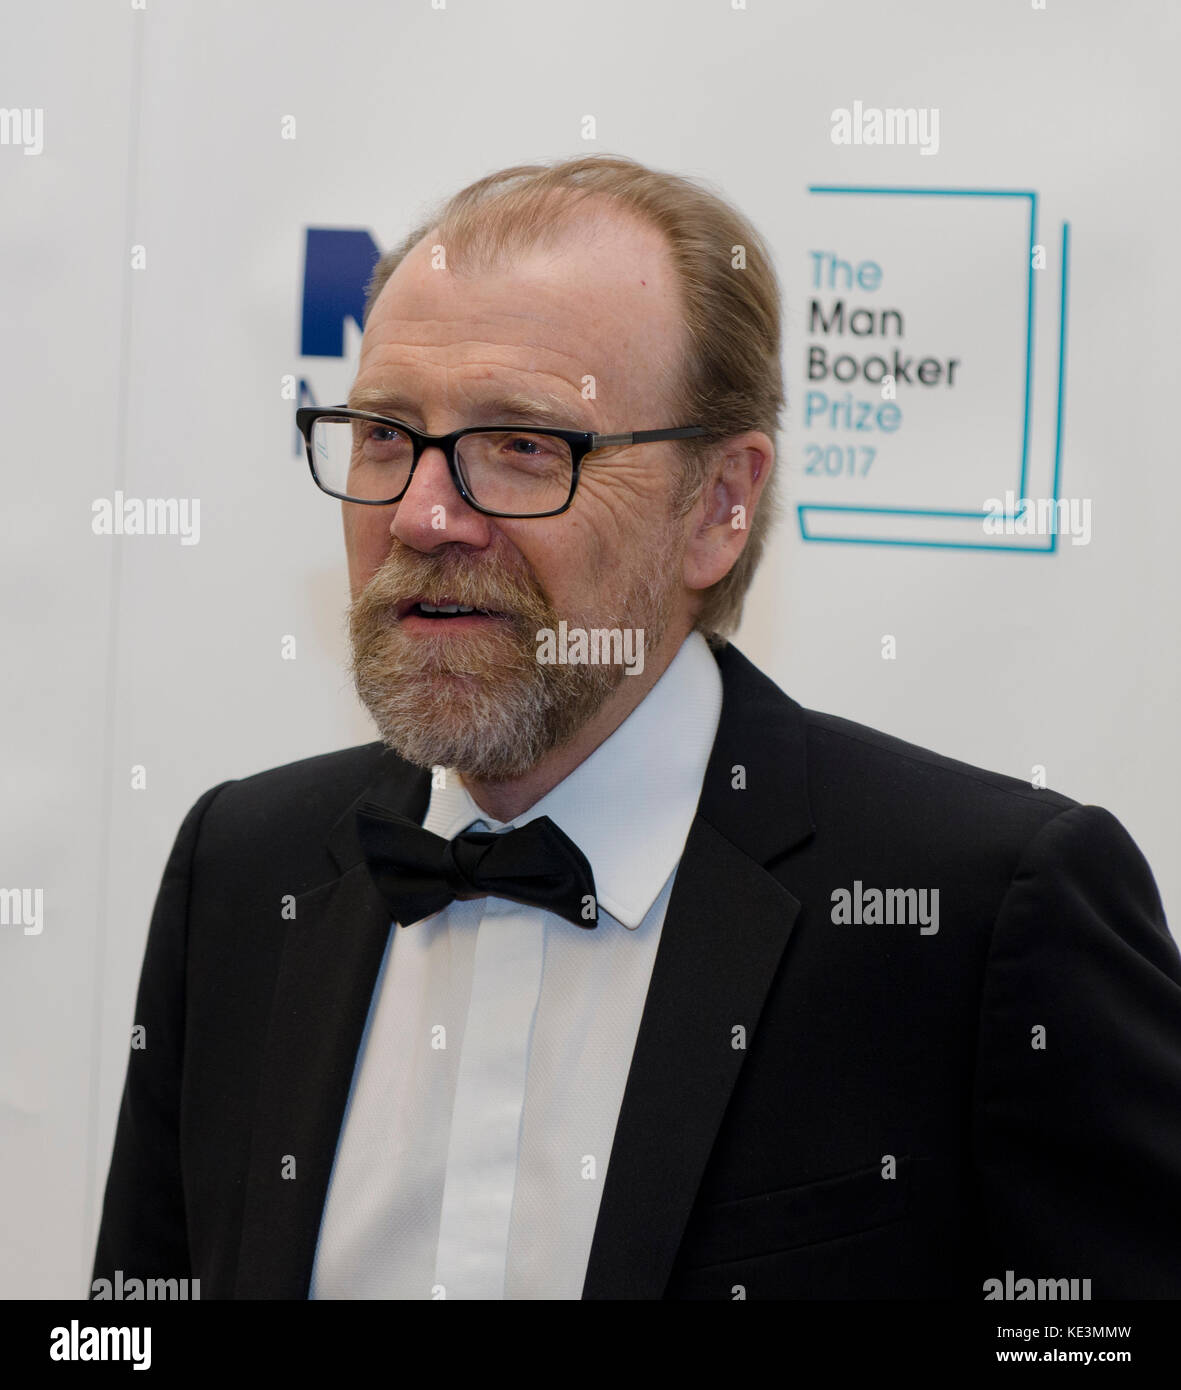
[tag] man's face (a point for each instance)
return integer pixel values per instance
(439, 353)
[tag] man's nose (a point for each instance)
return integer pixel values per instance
(432, 513)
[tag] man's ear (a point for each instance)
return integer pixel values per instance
(720, 520)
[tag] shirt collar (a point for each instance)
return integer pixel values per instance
(629, 805)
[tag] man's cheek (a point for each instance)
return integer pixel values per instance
(594, 537)
(368, 548)
(622, 512)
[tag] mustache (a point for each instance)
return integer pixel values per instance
(492, 586)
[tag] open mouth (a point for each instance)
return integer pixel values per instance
(421, 612)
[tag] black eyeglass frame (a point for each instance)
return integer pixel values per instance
(581, 442)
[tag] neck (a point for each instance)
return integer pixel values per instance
(504, 800)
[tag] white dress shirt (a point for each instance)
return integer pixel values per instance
(489, 1078)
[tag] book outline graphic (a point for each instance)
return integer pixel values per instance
(814, 517)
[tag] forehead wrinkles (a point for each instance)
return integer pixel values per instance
(482, 337)
(466, 367)
(615, 330)
(451, 374)
(476, 352)
(423, 304)
(479, 327)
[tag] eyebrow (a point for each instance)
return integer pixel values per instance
(542, 408)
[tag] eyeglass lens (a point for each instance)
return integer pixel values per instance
(518, 471)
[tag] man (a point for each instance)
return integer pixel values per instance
(658, 985)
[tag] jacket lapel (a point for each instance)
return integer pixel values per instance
(330, 959)
(727, 924)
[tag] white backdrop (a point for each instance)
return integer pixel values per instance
(159, 374)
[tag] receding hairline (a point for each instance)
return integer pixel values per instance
(470, 252)
(468, 256)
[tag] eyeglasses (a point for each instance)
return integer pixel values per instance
(500, 470)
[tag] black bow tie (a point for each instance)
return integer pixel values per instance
(418, 873)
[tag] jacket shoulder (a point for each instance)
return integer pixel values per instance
(291, 811)
(309, 785)
(898, 767)
(860, 766)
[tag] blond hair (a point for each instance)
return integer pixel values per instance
(729, 378)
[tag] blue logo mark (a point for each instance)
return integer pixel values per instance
(337, 266)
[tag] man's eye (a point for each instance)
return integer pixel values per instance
(527, 445)
(380, 441)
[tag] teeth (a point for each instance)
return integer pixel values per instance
(445, 608)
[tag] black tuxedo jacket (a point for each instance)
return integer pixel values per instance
(815, 1108)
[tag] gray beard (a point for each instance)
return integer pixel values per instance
(491, 710)
(493, 727)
